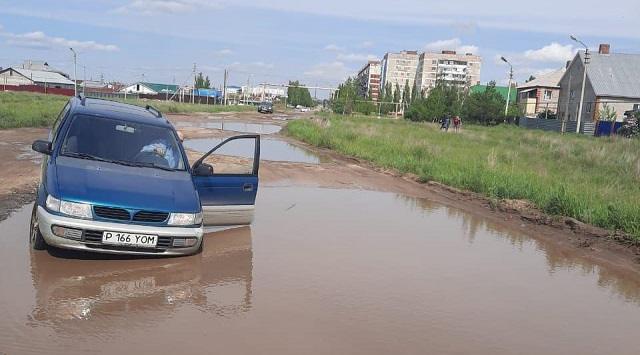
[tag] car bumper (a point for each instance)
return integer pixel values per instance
(46, 220)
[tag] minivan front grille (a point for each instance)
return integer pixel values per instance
(111, 213)
(148, 216)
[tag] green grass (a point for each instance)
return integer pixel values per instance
(595, 180)
(21, 109)
(18, 109)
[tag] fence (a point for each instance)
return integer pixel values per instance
(587, 128)
(38, 89)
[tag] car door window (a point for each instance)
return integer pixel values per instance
(53, 135)
(233, 156)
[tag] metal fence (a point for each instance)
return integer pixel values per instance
(587, 128)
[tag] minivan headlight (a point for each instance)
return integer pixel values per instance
(185, 219)
(73, 209)
(53, 204)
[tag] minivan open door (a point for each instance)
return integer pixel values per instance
(227, 181)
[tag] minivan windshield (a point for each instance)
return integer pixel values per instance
(122, 142)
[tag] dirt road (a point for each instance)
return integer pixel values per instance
(341, 258)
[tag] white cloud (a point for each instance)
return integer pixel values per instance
(333, 48)
(367, 44)
(39, 39)
(454, 44)
(612, 18)
(335, 71)
(263, 65)
(149, 7)
(225, 51)
(355, 57)
(553, 52)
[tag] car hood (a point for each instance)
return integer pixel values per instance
(108, 184)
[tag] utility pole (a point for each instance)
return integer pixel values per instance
(75, 73)
(193, 92)
(224, 87)
(506, 108)
(587, 58)
(84, 79)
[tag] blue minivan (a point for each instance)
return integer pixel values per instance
(116, 179)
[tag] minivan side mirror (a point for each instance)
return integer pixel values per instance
(203, 169)
(42, 146)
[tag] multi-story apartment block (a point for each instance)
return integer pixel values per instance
(398, 68)
(462, 70)
(369, 80)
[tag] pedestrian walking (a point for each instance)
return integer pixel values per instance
(443, 123)
(457, 122)
(447, 123)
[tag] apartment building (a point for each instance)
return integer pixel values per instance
(462, 70)
(398, 68)
(369, 80)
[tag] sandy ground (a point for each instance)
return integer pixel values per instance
(19, 174)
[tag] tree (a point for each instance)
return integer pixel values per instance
(297, 94)
(349, 99)
(396, 94)
(485, 107)
(406, 93)
(415, 92)
(201, 82)
(442, 100)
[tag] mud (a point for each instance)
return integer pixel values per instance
(342, 258)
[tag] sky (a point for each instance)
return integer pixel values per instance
(319, 43)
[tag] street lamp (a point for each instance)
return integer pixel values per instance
(587, 57)
(506, 108)
(75, 73)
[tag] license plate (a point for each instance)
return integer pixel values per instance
(128, 239)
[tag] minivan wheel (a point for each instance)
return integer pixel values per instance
(36, 240)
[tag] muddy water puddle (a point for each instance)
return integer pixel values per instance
(270, 149)
(322, 271)
(241, 127)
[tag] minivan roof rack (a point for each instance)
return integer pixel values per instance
(153, 110)
(82, 98)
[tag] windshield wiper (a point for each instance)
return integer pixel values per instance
(121, 162)
(146, 165)
(86, 156)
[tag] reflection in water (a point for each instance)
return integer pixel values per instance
(241, 127)
(217, 281)
(324, 271)
(626, 285)
(270, 149)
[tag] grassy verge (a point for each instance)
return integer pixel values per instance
(22, 109)
(18, 109)
(593, 180)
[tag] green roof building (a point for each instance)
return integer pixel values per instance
(151, 88)
(502, 90)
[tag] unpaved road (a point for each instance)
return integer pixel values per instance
(340, 259)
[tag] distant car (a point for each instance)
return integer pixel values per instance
(265, 107)
(116, 179)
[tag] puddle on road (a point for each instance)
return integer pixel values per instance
(241, 127)
(323, 271)
(270, 149)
